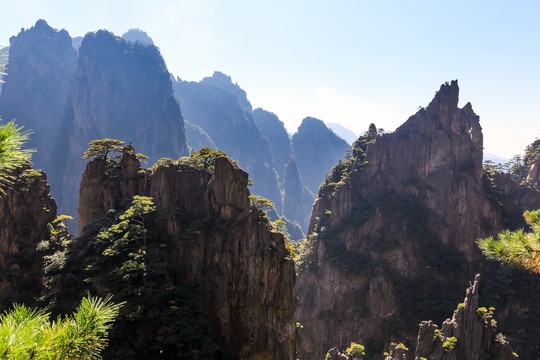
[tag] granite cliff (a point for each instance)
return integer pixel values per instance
(470, 334)
(204, 239)
(316, 149)
(392, 235)
(25, 212)
(120, 90)
(280, 144)
(109, 88)
(221, 109)
(40, 71)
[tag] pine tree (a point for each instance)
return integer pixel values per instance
(516, 248)
(28, 333)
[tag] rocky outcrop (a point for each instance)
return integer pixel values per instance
(470, 334)
(297, 199)
(25, 211)
(222, 110)
(198, 138)
(121, 90)
(393, 229)
(209, 236)
(222, 81)
(316, 149)
(41, 66)
(135, 35)
(280, 144)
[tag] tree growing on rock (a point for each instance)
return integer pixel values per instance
(100, 149)
(205, 158)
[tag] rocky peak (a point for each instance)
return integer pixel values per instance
(470, 334)
(134, 35)
(25, 212)
(297, 199)
(212, 237)
(36, 93)
(212, 106)
(228, 189)
(388, 217)
(223, 81)
(279, 141)
(121, 90)
(316, 149)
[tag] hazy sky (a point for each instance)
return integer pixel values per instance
(348, 61)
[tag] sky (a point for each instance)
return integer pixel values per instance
(351, 62)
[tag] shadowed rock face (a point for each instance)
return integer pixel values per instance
(277, 136)
(297, 199)
(470, 334)
(40, 70)
(121, 90)
(241, 265)
(221, 109)
(394, 229)
(316, 149)
(25, 211)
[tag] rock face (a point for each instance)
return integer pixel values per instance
(222, 110)
(36, 92)
(316, 149)
(207, 234)
(135, 35)
(297, 199)
(121, 90)
(274, 130)
(470, 334)
(393, 231)
(25, 211)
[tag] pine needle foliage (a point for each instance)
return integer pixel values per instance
(205, 158)
(27, 333)
(100, 149)
(516, 248)
(12, 139)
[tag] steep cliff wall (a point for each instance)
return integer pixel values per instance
(40, 71)
(206, 235)
(297, 198)
(222, 110)
(280, 144)
(393, 230)
(25, 211)
(316, 149)
(120, 90)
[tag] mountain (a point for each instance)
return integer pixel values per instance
(120, 90)
(297, 198)
(392, 236)
(495, 158)
(26, 210)
(316, 149)
(220, 108)
(471, 333)
(135, 35)
(37, 90)
(4, 55)
(348, 135)
(274, 130)
(218, 281)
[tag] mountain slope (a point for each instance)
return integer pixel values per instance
(393, 230)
